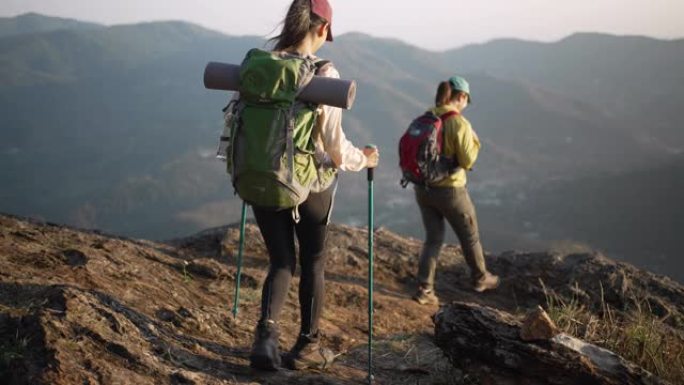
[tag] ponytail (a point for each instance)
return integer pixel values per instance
(446, 94)
(443, 96)
(298, 22)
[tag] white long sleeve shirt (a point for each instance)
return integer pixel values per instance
(332, 146)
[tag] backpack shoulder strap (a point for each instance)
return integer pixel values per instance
(444, 118)
(447, 115)
(320, 64)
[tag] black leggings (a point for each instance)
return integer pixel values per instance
(278, 229)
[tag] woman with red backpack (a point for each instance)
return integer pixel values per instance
(449, 199)
(305, 29)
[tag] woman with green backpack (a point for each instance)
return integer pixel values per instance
(449, 199)
(305, 29)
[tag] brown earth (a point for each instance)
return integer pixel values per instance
(81, 307)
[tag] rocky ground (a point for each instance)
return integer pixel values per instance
(81, 307)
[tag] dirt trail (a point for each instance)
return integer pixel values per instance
(82, 307)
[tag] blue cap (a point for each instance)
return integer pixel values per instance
(460, 84)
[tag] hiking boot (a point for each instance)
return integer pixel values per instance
(264, 354)
(425, 296)
(307, 353)
(488, 282)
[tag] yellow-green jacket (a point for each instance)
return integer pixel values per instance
(461, 140)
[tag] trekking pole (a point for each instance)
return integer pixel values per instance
(370, 272)
(241, 245)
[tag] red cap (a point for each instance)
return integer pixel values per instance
(323, 9)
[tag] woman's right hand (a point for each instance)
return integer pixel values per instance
(372, 156)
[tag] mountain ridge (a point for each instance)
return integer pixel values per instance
(70, 23)
(113, 129)
(32, 22)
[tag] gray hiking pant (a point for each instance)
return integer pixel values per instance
(454, 205)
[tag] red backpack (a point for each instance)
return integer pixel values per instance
(420, 151)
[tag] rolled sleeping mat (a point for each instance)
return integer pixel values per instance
(322, 90)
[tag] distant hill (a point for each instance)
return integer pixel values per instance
(636, 216)
(123, 116)
(634, 79)
(111, 128)
(78, 55)
(34, 23)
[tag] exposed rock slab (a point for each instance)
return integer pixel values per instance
(476, 336)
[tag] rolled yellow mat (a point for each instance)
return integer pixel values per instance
(322, 90)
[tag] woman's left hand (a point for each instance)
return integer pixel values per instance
(372, 156)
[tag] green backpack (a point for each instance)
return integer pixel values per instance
(270, 153)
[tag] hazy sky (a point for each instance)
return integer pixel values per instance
(432, 24)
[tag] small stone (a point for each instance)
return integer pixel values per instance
(353, 261)
(538, 326)
(203, 269)
(75, 258)
(184, 377)
(185, 313)
(168, 315)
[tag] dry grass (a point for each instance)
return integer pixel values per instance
(637, 335)
(13, 349)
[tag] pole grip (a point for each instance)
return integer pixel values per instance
(370, 170)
